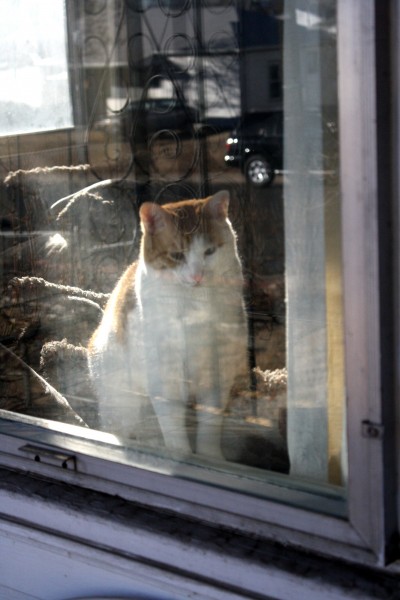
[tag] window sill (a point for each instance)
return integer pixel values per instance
(180, 547)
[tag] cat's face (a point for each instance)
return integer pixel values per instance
(185, 240)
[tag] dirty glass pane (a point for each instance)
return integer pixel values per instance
(202, 167)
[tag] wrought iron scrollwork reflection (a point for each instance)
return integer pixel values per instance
(132, 132)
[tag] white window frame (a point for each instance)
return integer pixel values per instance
(271, 509)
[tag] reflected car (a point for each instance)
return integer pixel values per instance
(256, 147)
(151, 116)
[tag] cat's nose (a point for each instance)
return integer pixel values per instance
(197, 278)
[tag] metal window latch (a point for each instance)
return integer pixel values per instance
(48, 456)
(372, 430)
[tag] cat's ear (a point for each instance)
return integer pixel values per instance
(153, 217)
(218, 205)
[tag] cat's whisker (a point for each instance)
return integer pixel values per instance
(209, 409)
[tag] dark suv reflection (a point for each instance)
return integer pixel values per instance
(256, 146)
(152, 115)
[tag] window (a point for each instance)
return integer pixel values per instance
(221, 386)
(34, 80)
(275, 81)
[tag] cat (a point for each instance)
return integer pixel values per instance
(174, 330)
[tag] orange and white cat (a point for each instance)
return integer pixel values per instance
(174, 330)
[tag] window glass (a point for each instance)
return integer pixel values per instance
(203, 169)
(34, 80)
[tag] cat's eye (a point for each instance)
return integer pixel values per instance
(210, 251)
(177, 256)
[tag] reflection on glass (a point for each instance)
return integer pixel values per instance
(203, 169)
